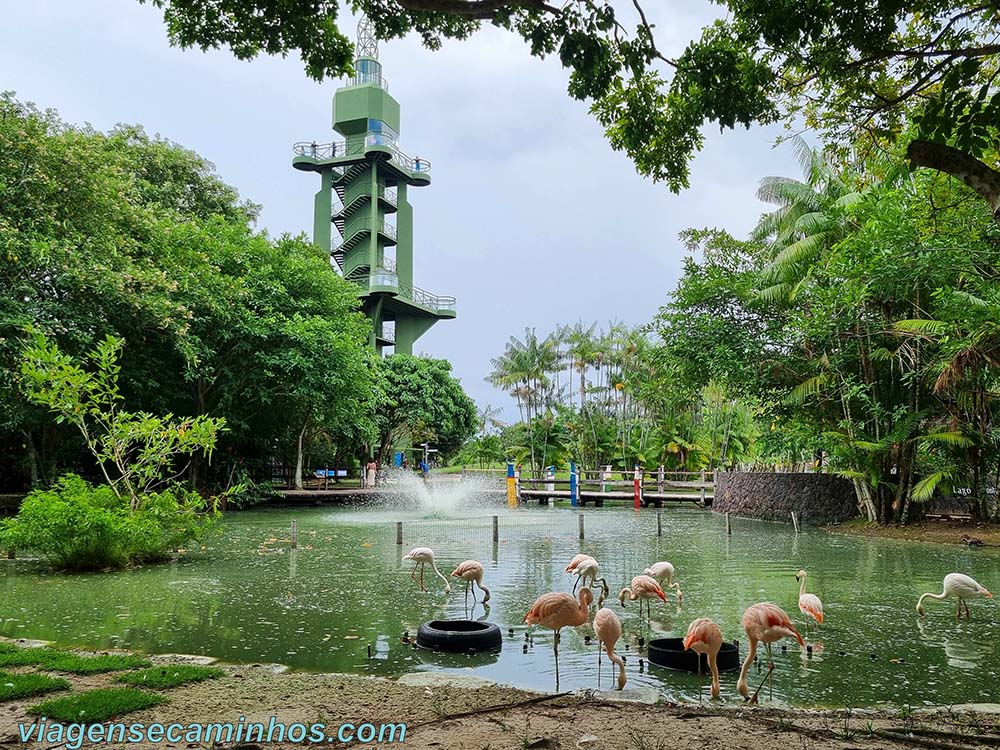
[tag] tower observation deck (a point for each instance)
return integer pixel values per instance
(365, 182)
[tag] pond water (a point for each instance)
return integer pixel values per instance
(247, 597)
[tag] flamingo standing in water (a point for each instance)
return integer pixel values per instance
(764, 623)
(609, 629)
(471, 571)
(575, 563)
(809, 604)
(664, 573)
(557, 610)
(421, 556)
(960, 586)
(588, 568)
(642, 587)
(705, 637)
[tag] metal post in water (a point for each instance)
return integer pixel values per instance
(659, 523)
(637, 487)
(702, 495)
(581, 525)
(295, 534)
(795, 521)
(729, 524)
(496, 529)
(659, 480)
(399, 532)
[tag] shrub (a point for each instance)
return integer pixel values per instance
(77, 526)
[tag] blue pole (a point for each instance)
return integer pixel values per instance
(574, 493)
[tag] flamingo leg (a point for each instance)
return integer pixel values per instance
(753, 698)
(959, 615)
(422, 586)
(968, 615)
(598, 663)
(467, 594)
(413, 573)
(576, 583)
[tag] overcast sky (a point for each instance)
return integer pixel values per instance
(531, 219)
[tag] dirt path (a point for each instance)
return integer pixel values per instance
(502, 718)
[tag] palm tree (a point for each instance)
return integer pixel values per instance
(523, 370)
(808, 219)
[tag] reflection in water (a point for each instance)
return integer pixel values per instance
(249, 597)
(961, 642)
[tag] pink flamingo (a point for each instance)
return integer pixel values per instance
(642, 587)
(960, 586)
(557, 610)
(664, 572)
(764, 623)
(471, 571)
(609, 629)
(577, 559)
(809, 604)
(588, 568)
(421, 556)
(705, 637)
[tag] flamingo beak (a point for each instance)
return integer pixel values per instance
(661, 595)
(687, 642)
(987, 594)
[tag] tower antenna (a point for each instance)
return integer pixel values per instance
(367, 45)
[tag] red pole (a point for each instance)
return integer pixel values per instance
(637, 487)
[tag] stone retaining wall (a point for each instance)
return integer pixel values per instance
(818, 498)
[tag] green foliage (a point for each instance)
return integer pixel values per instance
(126, 236)
(172, 675)
(14, 686)
(96, 706)
(423, 402)
(76, 526)
(861, 68)
(66, 661)
(141, 448)
(864, 351)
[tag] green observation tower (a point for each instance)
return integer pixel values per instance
(365, 182)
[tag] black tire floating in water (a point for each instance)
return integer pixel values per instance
(670, 653)
(460, 636)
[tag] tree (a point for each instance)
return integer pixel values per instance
(860, 67)
(124, 235)
(422, 403)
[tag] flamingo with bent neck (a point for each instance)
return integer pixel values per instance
(642, 588)
(422, 556)
(960, 586)
(471, 571)
(764, 623)
(609, 629)
(705, 637)
(664, 572)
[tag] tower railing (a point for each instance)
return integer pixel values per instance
(388, 331)
(356, 145)
(366, 79)
(384, 277)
